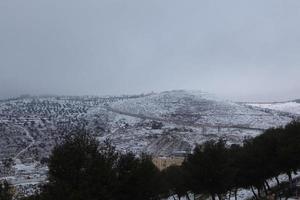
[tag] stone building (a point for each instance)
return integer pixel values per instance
(164, 162)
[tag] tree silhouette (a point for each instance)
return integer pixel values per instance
(138, 178)
(6, 191)
(209, 169)
(78, 170)
(175, 179)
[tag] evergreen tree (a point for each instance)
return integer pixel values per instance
(289, 159)
(79, 171)
(6, 191)
(175, 179)
(209, 169)
(138, 178)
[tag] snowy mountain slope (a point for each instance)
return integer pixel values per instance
(186, 118)
(290, 107)
(296, 100)
(161, 124)
(172, 120)
(199, 109)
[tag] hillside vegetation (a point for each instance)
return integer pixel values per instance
(83, 169)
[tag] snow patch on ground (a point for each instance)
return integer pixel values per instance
(26, 168)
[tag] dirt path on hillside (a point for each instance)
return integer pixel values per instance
(26, 148)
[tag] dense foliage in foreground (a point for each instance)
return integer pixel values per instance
(82, 169)
(218, 169)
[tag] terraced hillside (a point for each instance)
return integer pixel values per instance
(175, 121)
(161, 124)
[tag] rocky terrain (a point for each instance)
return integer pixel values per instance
(161, 124)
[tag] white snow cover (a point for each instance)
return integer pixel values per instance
(198, 108)
(160, 124)
(291, 107)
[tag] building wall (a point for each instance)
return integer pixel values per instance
(164, 162)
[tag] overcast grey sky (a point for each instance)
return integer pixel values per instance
(242, 50)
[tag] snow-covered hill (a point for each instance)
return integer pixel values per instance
(161, 124)
(289, 107)
(199, 109)
(156, 123)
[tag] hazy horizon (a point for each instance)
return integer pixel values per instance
(242, 51)
(220, 97)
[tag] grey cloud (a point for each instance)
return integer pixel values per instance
(242, 50)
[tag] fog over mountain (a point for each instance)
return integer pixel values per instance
(244, 51)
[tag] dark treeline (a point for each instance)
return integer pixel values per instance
(82, 169)
(218, 169)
